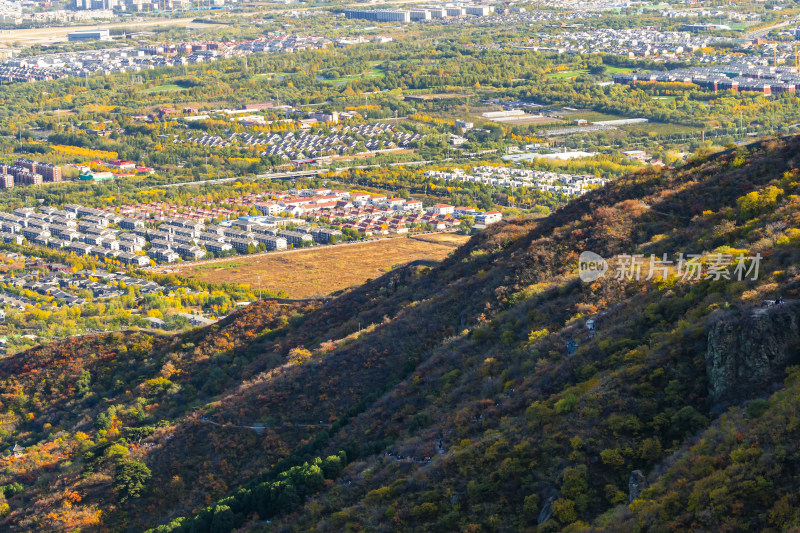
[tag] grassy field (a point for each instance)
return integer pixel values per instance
(566, 74)
(741, 26)
(322, 271)
(520, 121)
(170, 87)
(592, 116)
(374, 72)
(419, 95)
(659, 129)
(274, 74)
(618, 70)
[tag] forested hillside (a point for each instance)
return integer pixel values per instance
(467, 397)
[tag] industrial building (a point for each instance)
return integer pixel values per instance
(379, 15)
(89, 35)
(419, 14)
(384, 15)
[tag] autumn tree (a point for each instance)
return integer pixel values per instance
(131, 479)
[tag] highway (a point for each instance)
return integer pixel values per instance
(270, 176)
(296, 173)
(401, 163)
(762, 32)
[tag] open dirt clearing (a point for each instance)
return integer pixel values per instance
(324, 270)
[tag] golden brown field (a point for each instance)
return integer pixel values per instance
(322, 271)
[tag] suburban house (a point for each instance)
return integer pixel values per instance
(461, 211)
(441, 209)
(489, 217)
(268, 208)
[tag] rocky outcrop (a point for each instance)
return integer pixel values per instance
(746, 354)
(547, 511)
(636, 484)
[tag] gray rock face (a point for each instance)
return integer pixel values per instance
(746, 354)
(636, 484)
(547, 511)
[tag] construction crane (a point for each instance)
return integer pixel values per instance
(774, 45)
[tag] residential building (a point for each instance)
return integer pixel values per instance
(131, 223)
(489, 217)
(324, 235)
(441, 209)
(190, 252)
(272, 242)
(295, 238)
(217, 247)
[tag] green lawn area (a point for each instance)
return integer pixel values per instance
(655, 6)
(213, 266)
(374, 72)
(665, 98)
(649, 127)
(574, 73)
(592, 116)
(567, 74)
(164, 88)
(619, 70)
(271, 74)
(659, 129)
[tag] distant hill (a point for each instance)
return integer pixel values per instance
(467, 397)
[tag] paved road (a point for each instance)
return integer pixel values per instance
(361, 167)
(270, 176)
(292, 174)
(761, 32)
(296, 173)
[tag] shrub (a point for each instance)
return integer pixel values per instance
(566, 404)
(564, 511)
(131, 479)
(758, 407)
(612, 457)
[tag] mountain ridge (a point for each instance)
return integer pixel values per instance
(464, 369)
